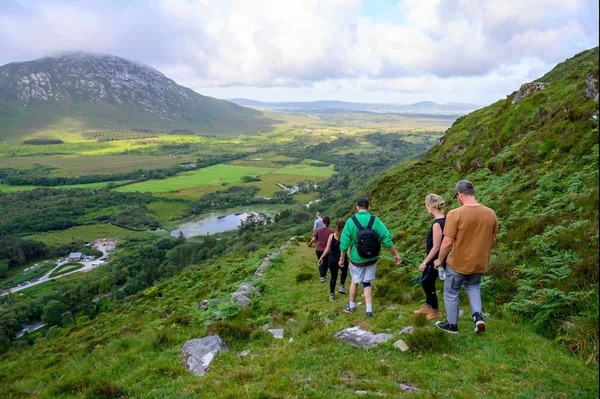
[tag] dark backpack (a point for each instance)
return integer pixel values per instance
(368, 243)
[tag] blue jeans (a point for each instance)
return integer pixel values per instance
(454, 280)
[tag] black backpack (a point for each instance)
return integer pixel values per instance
(368, 243)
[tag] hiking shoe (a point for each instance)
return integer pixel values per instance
(323, 279)
(342, 290)
(331, 297)
(434, 314)
(369, 314)
(445, 326)
(479, 322)
(424, 309)
(348, 309)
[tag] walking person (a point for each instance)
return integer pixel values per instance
(469, 235)
(333, 251)
(321, 235)
(435, 208)
(318, 222)
(363, 266)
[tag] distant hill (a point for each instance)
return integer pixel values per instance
(104, 91)
(426, 107)
(533, 158)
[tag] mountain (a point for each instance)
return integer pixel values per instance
(533, 158)
(103, 91)
(426, 107)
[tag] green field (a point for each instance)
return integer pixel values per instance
(86, 233)
(66, 268)
(224, 175)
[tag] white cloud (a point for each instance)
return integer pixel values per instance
(317, 44)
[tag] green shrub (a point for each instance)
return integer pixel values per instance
(427, 339)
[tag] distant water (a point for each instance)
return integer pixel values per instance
(211, 225)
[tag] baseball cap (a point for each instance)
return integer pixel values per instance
(461, 186)
(363, 202)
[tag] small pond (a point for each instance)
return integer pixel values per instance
(213, 224)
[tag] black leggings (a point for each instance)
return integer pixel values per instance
(333, 268)
(430, 275)
(323, 265)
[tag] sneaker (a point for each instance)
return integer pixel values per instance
(331, 297)
(449, 328)
(369, 314)
(348, 309)
(342, 290)
(479, 323)
(323, 279)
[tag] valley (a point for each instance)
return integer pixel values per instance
(160, 191)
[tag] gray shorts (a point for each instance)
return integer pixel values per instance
(362, 274)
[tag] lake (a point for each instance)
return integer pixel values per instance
(215, 223)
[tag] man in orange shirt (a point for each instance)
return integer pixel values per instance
(469, 235)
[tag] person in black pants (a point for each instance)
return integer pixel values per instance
(321, 236)
(435, 207)
(331, 254)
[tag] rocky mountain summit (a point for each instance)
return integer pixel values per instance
(106, 84)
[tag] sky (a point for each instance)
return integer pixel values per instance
(470, 51)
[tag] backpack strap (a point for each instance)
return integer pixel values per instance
(356, 222)
(371, 221)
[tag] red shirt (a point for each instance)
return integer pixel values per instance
(322, 234)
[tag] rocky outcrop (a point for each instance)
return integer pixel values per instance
(591, 90)
(244, 293)
(199, 353)
(527, 89)
(357, 337)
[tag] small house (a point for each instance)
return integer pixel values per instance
(75, 257)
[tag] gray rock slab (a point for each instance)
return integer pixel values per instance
(407, 330)
(357, 337)
(277, 332)
(401, 345)
(408, 388)
(199, 352)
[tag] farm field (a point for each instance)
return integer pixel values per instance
(86, 233)
(224, 174)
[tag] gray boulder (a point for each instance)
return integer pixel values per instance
(248, 290)
(198, 353)
(241, 299)
(357, 337)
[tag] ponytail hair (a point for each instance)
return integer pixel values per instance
(339, 226)
(434, 201)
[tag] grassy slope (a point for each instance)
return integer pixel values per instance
(135, 351)
(535, 163)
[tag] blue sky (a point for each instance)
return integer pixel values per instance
(402, 51)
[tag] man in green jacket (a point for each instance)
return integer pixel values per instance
(361, 269)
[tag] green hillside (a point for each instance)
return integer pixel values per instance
(96, 91)
(535, 162)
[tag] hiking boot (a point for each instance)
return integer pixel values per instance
(369, 314)
(425, 309)
(323, 279)
(342, 290)
(331, 297)
(434, 314)
(479, 323)
(348, 309)
(445, 326)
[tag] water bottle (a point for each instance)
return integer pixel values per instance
(441, 272)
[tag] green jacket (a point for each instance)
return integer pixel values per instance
(348, 238)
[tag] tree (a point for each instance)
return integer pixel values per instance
(3, 269)
(52, 312)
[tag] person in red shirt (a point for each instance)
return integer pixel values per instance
(321, 235)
